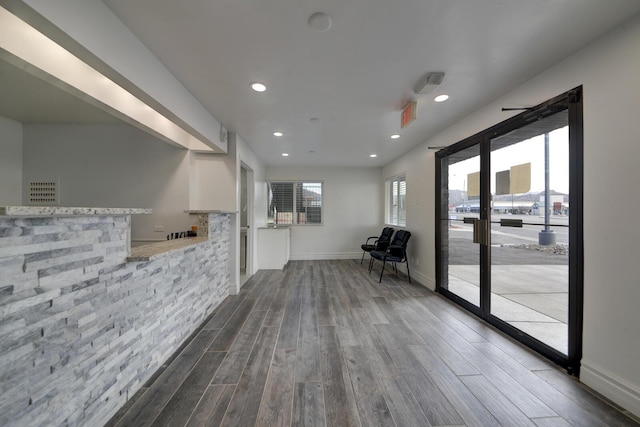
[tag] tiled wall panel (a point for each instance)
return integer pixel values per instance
(81, 329)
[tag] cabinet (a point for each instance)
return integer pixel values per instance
(273, 247)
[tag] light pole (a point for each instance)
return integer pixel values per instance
(464, 195)
(546, 236)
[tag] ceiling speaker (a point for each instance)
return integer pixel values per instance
(428, 83)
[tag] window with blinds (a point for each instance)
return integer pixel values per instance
(396, 201)
(294, 202)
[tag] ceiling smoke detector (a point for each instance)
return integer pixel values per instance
(320, 21)
(428, 83)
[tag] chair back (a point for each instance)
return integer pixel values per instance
(384, 239)
(398, 247)
(387, 232)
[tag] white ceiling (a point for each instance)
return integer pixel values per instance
(353, 79)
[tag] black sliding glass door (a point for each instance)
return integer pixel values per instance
(509, 231)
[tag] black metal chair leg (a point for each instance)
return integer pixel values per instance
(362, 260)
(408, 274)
(384, 261)
(370, 264)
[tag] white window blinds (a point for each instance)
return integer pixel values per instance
(396, 201)
(294, 202)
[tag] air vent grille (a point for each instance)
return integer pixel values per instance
(43, 193)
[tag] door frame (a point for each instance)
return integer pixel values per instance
(250, 261)
(572, 100)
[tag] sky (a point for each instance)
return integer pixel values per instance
(531, 150)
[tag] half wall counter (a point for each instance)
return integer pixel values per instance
(86, 320)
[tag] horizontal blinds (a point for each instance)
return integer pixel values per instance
(309, 202)
(397, 201)
(295, 202)
(281, 202)
(402, 201)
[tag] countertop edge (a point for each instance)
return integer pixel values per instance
(208, 211)
(25, 211)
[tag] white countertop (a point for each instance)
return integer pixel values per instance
(68, 211)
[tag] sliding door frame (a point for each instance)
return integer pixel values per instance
(572, 101)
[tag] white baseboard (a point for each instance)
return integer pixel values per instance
(422, 279)
(612, 387)
(325, 256)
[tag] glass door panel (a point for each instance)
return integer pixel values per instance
(460, 256)
(529, 226)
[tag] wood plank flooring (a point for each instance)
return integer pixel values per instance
(322, 343)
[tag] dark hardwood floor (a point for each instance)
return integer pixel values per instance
(323, 343)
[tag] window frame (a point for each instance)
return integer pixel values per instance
(392, 211)
(294, 202)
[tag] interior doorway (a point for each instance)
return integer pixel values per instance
(246, 223)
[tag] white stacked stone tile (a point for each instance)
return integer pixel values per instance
(81, 329)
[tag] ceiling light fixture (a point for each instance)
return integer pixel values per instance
(285, 154)
(277, 133)
(395, 136)
(441, 98)
(373, 155)
(258, 87)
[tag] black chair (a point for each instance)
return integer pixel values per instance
(396, 252)
(380, 244)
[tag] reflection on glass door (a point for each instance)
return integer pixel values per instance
(460, 254)
(530, 229)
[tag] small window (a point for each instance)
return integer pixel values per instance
(396, 201)
(296, 203)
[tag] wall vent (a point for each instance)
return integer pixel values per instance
(43, 193)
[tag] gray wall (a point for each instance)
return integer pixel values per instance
(113, 166)
(10, 162)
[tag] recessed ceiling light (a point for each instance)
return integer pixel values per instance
(395, 136)
(258, 87)
(285, 154)
(373, 155)
(277, 134)
(441, 98)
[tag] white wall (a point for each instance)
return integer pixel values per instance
(259, 201)
(113, 166)
(608, 71)
(418, 167)
(10, 162)
(352, 211)
(215, 184)
(213, 181)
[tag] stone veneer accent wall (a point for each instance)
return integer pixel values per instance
(81, 329)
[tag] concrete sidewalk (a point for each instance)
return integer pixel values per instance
(532, 298)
